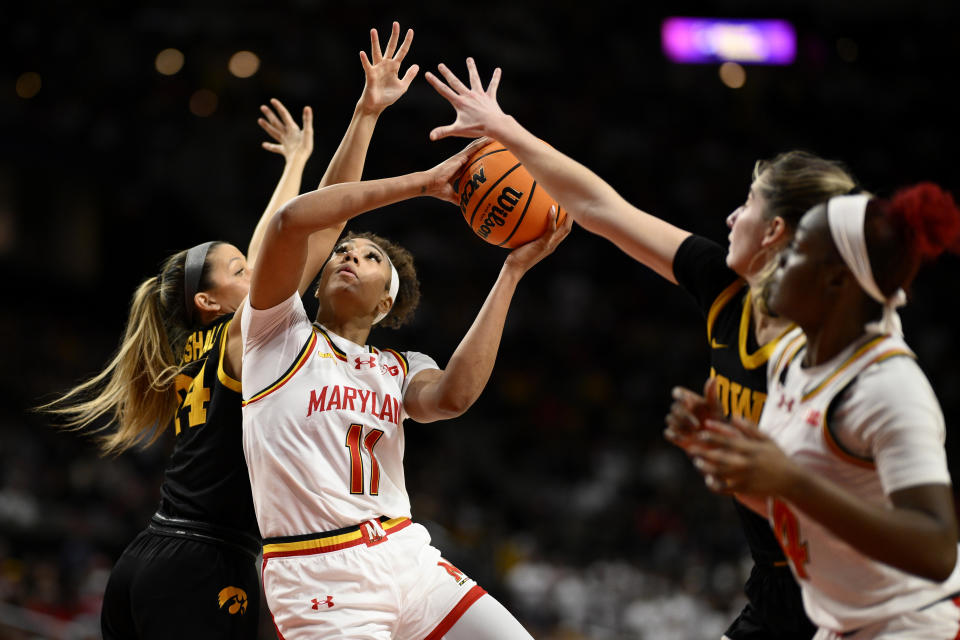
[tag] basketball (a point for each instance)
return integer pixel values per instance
(501, 201)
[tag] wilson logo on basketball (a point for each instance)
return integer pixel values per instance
(497, 215)
(235, 597)
(500, 200)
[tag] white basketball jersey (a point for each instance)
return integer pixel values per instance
(886, 434)
(322, 424)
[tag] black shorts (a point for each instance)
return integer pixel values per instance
(775, 608)
(165, 587)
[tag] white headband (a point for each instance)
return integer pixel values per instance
(845, 215)
(394, 287)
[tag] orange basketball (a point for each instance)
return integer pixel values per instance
(501, 201)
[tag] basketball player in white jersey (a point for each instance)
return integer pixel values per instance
(848, 463)
(323, 425)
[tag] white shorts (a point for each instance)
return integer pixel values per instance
(939, 621)
(374, 581)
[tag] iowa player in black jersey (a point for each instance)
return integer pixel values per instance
(741, 334)
(191, 573)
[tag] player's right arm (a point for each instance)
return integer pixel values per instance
(382, 86)
(285, 243)
(593, 203)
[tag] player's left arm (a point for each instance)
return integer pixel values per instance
(437, 394)
(918, 534)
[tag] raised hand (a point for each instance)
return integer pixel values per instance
(525, 256)
(292, 142)
(476, 107)
(383, 85)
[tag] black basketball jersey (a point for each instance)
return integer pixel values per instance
(206, 478)
(737, 362)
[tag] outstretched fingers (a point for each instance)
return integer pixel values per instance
(376, 53)
(392, 42)
(308, 122)
(409, 75)
(441, 87)
(476, 84)
(452, 79)
(494, 83)
(284, 114)
(404, 46)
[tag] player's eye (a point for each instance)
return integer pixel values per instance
(374, 255)
(240, 271)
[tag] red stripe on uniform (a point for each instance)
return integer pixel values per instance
(334, 547)
(263, 568)
(956, 601)
(475, 593)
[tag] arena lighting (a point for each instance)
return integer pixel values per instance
(28, 84)
(712, 40)
(169, 62)
(732, 75)
(244, 64)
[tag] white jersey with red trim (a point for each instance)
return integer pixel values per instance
(322, 423)
(868, 421)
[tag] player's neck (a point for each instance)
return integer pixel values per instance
(831, 336)
(353, 329)
(765, 326)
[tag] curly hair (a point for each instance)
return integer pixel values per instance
(408, 296)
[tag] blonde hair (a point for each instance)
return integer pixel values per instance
(791, 184)
(136, 391)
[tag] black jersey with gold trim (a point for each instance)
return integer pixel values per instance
(737, 362)
(206, 477)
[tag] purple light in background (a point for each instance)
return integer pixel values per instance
(709, 40)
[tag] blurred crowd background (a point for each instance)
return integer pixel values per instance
(556, 491)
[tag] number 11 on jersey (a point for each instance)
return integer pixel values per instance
(356, 440)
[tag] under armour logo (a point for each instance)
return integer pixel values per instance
(813, 418)
(235, 597)
(316, 603)
(785, 403)
(359, 361)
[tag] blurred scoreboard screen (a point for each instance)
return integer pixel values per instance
(712, 40)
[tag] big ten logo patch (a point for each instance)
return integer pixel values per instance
(455, 573)
(234, 598)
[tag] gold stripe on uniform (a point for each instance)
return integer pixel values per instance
(322, 542)
(225, 378)
(299, 362)
(759, 357)
(853, 358)
(718, 304)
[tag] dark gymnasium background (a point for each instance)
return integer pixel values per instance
(556, 491)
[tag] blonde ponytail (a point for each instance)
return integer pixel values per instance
(136, 391)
